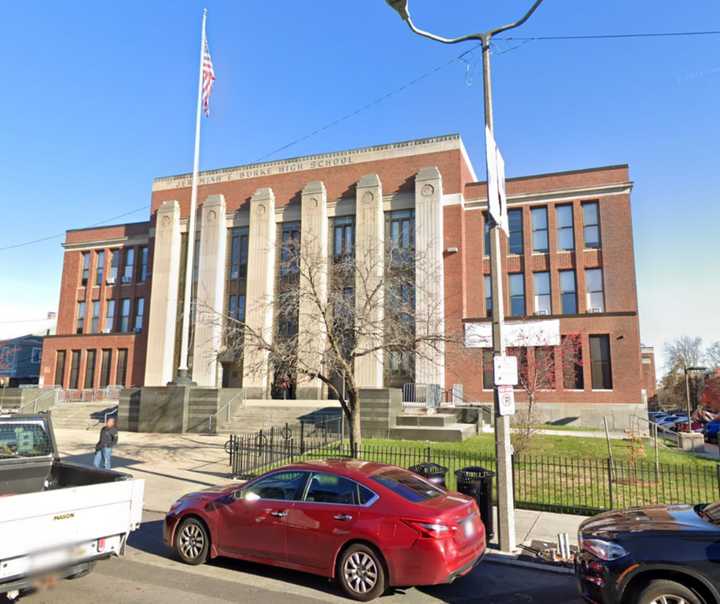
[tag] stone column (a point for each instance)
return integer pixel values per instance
(210, 295)
(313, 285)
(260, 292)
(429, 276)
(370, 263)
(159, 364)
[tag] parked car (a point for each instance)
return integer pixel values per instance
(711, 430)
(367, 525)
(652, 555)
(56, 518)
(654, 416)
(682, 426)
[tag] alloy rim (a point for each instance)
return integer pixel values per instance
(360, 572)
(669, 599)
(192, 541)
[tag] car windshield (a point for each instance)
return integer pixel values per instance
(23, 439)
(407, 485)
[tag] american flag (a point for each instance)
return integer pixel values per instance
(208, 77)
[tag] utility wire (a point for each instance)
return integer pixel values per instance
(668, 34)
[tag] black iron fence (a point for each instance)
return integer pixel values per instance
(557, 484)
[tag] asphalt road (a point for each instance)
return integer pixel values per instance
(148, 574)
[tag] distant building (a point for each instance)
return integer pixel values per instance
(649, 377)
(20, 360)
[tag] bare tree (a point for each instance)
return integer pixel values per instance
(683, 352)
(351, 309)
(712, 356)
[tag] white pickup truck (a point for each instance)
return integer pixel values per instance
(56, 518)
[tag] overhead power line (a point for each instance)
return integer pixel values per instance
(667, 34)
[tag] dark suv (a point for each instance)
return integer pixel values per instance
(664, 554)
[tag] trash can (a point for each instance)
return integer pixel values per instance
(477, 482)
(433, 472)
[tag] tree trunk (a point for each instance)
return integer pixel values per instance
(355, 431)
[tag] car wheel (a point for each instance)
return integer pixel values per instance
(192, 542)
(668, 592)
(83, 573)
(361, 573)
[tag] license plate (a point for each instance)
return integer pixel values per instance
(469, 528)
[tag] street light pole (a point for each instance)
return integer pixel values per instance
(503, 446)
(687, 393)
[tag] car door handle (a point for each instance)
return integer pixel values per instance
(278, 514)
(342, 517)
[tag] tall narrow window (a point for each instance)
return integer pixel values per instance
(142, 272)
(401, 225)
(74, 369)
(545, 367)
(114, 266)
(100, 267)
(235, 254)
(565, 230)
(568, 292)
(343, 237)
(600, 362)
(540, 229)
(139, 314)
(109, 316)
(121, 374)
(487, 369)
(129, 265)
(241, 307)
(125, 315)
(488, 296)
(517, 294)
(90, 369)
(515, 228)
(60, 368)
(196, 259)
(543, 299)
(85, 268)
(290, 248)
(95, 319)
(591, 224)
(233, 306)
(572, 363)
(80, 319)
(594, 290)
(105, 368)
(486, 233)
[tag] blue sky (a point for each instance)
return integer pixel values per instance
(103, 95)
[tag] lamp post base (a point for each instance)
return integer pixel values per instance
(182, 379)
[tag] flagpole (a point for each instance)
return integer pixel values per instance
(183, 376)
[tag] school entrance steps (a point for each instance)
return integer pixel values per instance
(82, 416)
(437, 427)
(261, 414)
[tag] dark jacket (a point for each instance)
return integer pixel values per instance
(108, 438)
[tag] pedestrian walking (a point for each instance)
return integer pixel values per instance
(103, 448)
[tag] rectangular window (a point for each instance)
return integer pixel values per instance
(600, 362)
(540, 229)
(591, 224)
(241, 307)
(517, 294)
(196, 259)
(401, 236)
(109, 316)
(114, 266)
(238, 253)
(290, 248)
(488, 369)
(90, 369)
(95, 319)
(139, 314)
(105, 369)
(572, 363)
(543, 299)
(85, 268)
(486, 233)
(568, 292)
(74, 369)
(232, 306)
(60, 368)
(129, 265)
(545, 367)
(515, 228)
(100, 267)
(488, 296)
(80, 319)
(343, 237)
(595, 295)
(565, 230)
(121, 367)
(125, 315)
(142, 272)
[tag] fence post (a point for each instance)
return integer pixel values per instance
(427, 453)
(302, 437)
(717, 468)
(610, 482)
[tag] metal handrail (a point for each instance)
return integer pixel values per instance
(226, 408)
(36, 402)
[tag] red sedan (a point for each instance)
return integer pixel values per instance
(367, 525)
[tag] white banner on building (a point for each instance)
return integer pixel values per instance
(545, 332)
(497, 199)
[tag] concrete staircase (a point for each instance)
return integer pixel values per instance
(81, 416)
(258, 414)
(439, 427)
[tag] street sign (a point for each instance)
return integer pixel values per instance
(497, 200)
(545, 332)
(506, 371)
(506, 400)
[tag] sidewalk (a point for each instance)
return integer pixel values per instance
(175, 464)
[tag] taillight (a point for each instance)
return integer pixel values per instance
(101, 546)
(430, 530)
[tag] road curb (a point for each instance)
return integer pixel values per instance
(510, 560)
